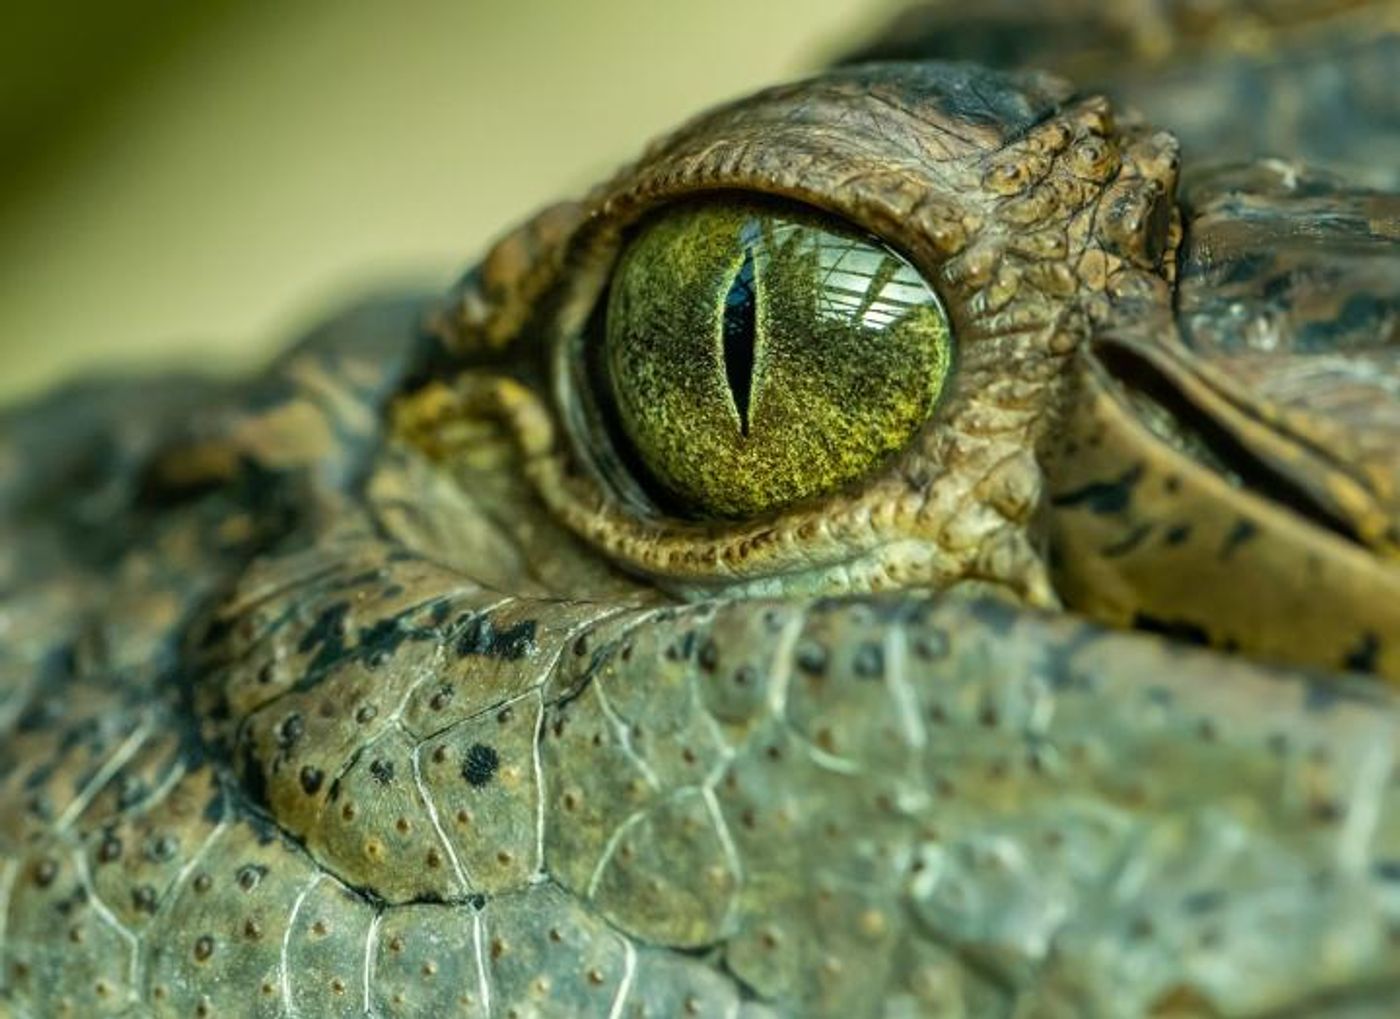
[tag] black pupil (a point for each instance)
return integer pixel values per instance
(739, 306)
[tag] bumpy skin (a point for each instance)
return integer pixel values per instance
(354, 689)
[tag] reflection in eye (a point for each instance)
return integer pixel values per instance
(756, 354)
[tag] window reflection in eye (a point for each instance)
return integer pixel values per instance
(858, 282)
(756, 354)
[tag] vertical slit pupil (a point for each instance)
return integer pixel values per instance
(739, 339)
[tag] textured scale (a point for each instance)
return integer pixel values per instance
(349, 690)
(726, 778)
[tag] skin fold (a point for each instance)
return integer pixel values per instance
(380, 684)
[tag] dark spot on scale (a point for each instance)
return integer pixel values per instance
(73, 901)
(110, 849)
(1364, 656)
(1239, 534)
(44, 872)
(1128, 542)
(1103, 497)
(1204, 902)
(811, 658)
(995, 615)
(378, 643)
(1243, 267)
(869, 661)
(709, 656)
(480, 637)
(214, 806)
(477, 901)
(311, 779)
(382, 770)
(144, 899)
(1177, 534)
(290, 731)
(931, 646)
(250, 875)
(480, 764)
(327, 630)
(203, 947)
(1363, 315)
(1326, 811)
(255, 780)
(683, 648)
(1177, 630)
(367, 578)
(162, 848)
(439, 612)
(1323, 694)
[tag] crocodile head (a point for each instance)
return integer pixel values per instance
(1084, 450)
(507, 693)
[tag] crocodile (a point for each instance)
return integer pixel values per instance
(910, 544)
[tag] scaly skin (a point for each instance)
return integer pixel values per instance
(354, 689)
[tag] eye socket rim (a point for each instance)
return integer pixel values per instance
(582, 389)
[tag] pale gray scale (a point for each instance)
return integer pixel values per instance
(378, 831)
(666, 985)
(1113, 826)
(545, 954)
(1054, 826)
(583, 807)
(425, 961)
(480, 780)
(62, 952)
(593, 785)
(324, 951)
(222, 945)
(669, 876)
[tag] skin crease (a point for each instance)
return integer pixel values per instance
(378, 685)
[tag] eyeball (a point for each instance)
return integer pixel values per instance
(755, 354)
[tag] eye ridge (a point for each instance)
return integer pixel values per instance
(741, 338)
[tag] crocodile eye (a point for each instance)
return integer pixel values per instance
(755, 354)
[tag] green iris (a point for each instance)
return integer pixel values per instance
(758, 354)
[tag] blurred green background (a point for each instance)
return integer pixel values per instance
(190, 184)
